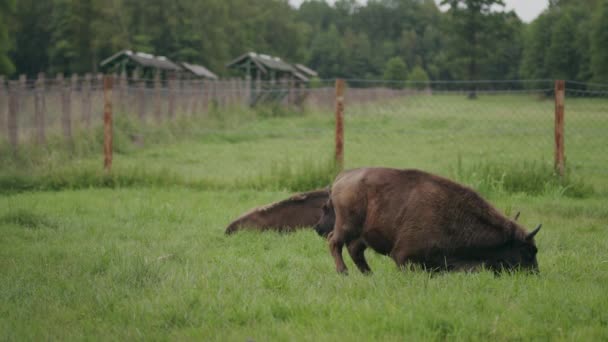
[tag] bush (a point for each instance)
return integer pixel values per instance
(419, 78)
(395, 70)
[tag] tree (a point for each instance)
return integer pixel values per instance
(468, 22)
(537, 39)
(561, 58)
(7, 7)
(599, 44)
(419, 77)
(395, 70)
(72, 24)
(327, 53)
(501, 57)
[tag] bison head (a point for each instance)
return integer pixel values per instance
(327, 220)
(516, 254)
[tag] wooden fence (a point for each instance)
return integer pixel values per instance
(32, 110)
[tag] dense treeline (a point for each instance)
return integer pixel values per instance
(392, 39)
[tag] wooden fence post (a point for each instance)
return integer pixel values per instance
(194, 94)
(122, 93)
(66, 115)
(40, 109)
(22, 92)
(74, 91)
(560, 95)
(141, 99)
(182, 96)
(340, 123)
(204, 96)
(107, 122)
(157, 97)
(97, 94)
(13, 108)
(172, 91)
(86, 100)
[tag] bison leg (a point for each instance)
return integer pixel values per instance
(356, 249)
(336, 242)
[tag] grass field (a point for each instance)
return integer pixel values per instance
(141, 254)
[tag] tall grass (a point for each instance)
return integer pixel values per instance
(529, 177)
(286, 175)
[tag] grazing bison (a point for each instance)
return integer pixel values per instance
(300, 210)
(413, 216)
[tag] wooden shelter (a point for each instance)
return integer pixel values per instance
(271, 78)
(139, 64)
(265, 67)
(144, 65)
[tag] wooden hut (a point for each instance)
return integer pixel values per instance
(270, 78)
(139, 64)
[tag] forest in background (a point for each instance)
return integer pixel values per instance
(390, 39)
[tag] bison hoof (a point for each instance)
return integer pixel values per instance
(343, 271)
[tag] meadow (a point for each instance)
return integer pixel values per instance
(140, 253)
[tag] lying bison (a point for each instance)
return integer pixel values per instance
(416, 217)
(300, 210)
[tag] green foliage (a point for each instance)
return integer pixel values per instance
(474, 31)
(419, 77)
(7, 8)
(395, 70)
(561, 55)
(347, 39)
(559, 43)
(599, 43)
(537, 39)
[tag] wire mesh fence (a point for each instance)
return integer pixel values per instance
(439, 126)
(435, 125)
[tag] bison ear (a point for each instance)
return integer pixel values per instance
(531, 235)
(516, 216)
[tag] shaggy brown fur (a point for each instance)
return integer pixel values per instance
(417, 217)
(300, 210)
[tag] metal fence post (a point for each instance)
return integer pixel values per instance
(340, 123)
(107, 122)
(560, 94)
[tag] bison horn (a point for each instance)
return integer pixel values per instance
(516, 216)
(531, 235)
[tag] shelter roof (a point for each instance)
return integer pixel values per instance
(306, 70)
(263, 62)
(199, 70)
(144, 59)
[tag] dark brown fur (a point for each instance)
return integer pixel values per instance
(417, 217)
(300, 210)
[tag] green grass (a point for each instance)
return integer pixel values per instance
(140, 253)
(154, 263)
